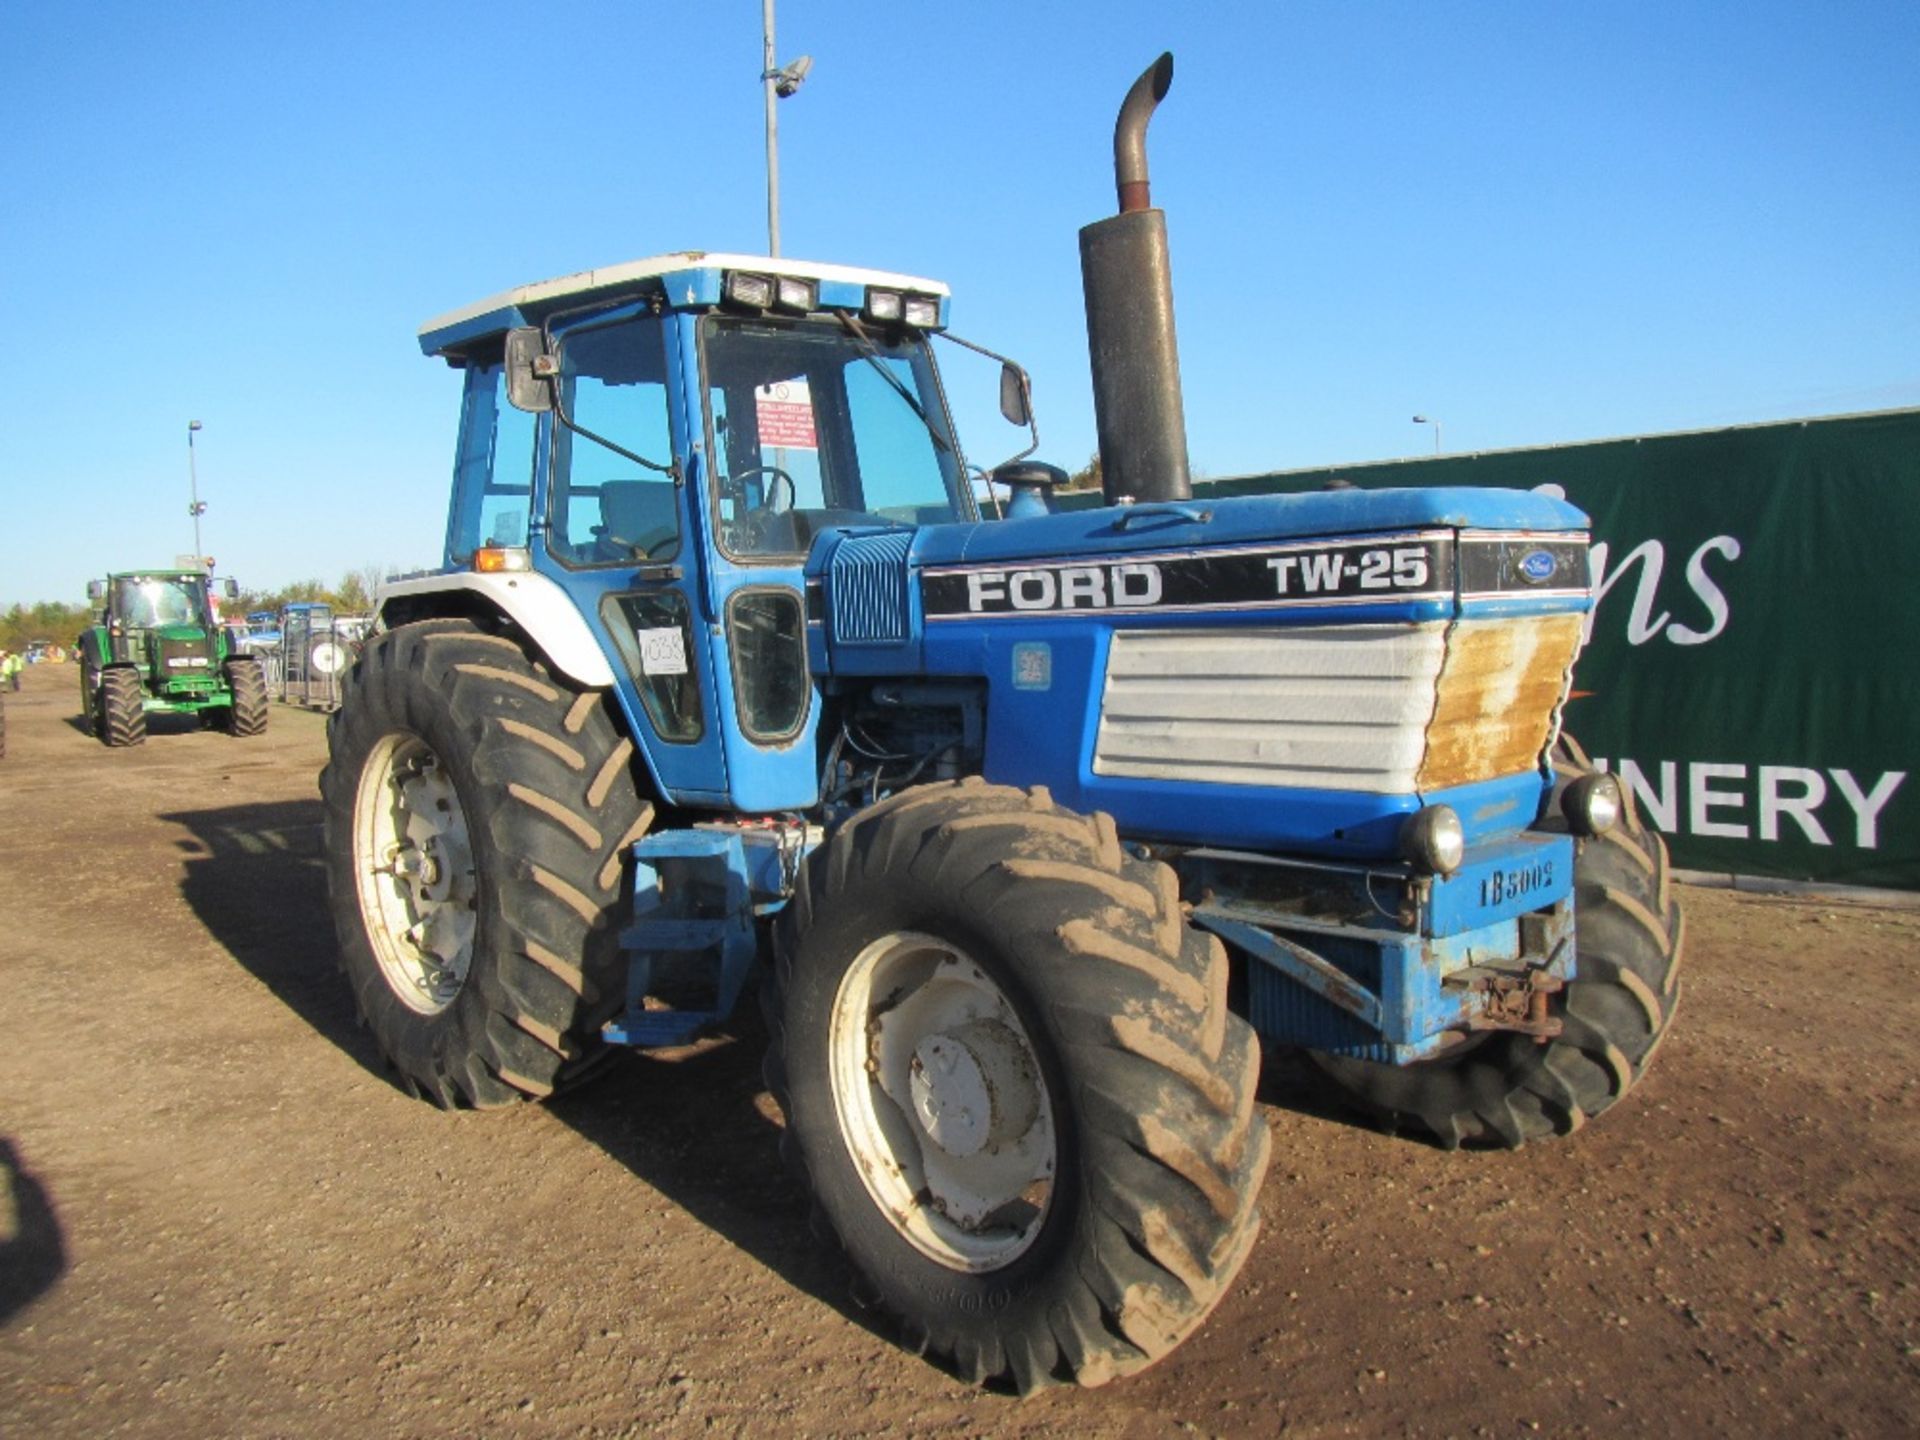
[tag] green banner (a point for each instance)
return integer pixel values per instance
(1753, 666)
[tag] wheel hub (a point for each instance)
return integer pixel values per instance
(414, 857)
(941, 1101)
(973, 1087)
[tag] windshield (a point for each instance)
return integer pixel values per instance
(142, 601)
(814, 426)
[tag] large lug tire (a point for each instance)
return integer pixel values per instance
(123, 716)
(1503, 1090)
(248, 685)
(89, 699)
(1013, 1086)
(479, 810)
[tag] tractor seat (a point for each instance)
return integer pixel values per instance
(637, 518)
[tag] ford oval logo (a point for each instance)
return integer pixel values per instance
(1537, 566)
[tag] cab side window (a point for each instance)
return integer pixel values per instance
(493, 469)
(606, 507)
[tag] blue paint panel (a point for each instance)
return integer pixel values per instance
(1248, 519)
(755, 778)
(1493, 807)
(1501, 881)
(1407, 974)
(692, 897)
(1489, 607)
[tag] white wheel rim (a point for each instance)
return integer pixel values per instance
(941, 1102)
(413, 865)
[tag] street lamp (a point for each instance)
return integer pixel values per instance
(1423, 420)
(778, 82)
(197, 508)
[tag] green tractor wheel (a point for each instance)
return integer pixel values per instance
(89, 699)
(123, 716)
(247, 683)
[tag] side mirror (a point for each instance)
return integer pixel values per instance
(530, 370)
(96, 590)
(1015, 395)
(232, 588)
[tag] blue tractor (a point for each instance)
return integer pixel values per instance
(1033, 829)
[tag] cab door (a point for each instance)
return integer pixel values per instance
(617, 535)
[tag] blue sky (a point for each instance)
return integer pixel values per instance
(1539, 222)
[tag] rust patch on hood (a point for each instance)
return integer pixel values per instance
(1500, 684)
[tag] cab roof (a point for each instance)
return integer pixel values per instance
(688, 278)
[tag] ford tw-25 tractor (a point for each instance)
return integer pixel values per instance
(1034, 829)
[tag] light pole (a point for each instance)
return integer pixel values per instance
(778, 82)
(196, 509)
(1424, 420)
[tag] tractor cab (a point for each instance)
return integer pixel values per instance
(658, 446)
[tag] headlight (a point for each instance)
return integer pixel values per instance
(1433, 839)
(793, 293)
(1592, 804)
(754, 292)
(923, 312)
(884, 304)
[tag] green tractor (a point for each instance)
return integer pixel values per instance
(158, 646)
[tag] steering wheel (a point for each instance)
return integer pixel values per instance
(778, 475)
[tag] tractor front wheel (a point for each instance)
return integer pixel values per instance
(247, 684)
(1013, 1085)
(123, 715)
(479, 809)
(1502, 1090)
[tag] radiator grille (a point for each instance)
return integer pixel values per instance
(184, 657)
(867, 589)
(1386, 709)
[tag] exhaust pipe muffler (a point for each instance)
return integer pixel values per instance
(1128, 278)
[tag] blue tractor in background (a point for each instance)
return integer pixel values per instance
(1034, 829)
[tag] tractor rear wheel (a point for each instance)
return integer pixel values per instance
(123, 716)
(1013, 1086)
(1502, 1090)
(479, 809)
(247, 684)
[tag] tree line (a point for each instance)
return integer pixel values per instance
(59, 621)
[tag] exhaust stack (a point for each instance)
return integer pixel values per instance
(1128, 278)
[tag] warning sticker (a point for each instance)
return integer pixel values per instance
(784, 410)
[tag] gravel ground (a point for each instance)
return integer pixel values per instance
(219, 1217)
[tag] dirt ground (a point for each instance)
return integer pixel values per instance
(219, 1217)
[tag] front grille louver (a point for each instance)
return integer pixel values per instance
(867, 589)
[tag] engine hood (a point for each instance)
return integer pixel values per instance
(1243, 519)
